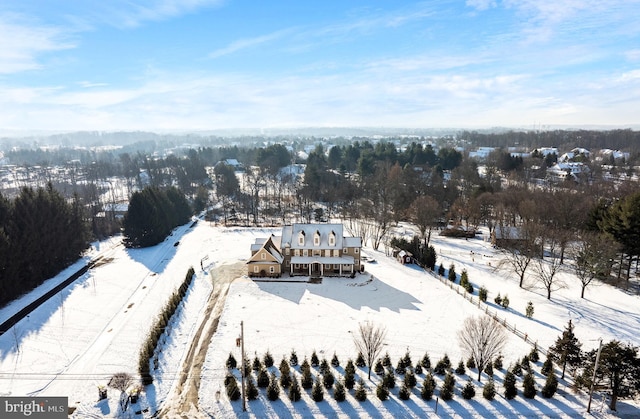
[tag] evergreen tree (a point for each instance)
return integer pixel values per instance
(305, 365)
(517, 369)
(360, 362)
(233, 392)
(293, 358)
(386, 360)
(441, 270)
(460, 368)
(400, 368)
(317, 393)
(471, 363)
(307, 379)
(498, 300)
(378, 368)
(482, 294)
(426, 361)
(529, 386)
(407, 360)
(231, 361)
(567, 349)
(324, 366)
(349, 378)
(452, 273)
(294, 390)
(314, 359)
(489, 369)
(410, 379)
(252, 390)
(534, 355)
(404, 393)
(550, 385)
(334, 361)
(350, 368)
(547, 366)
(469, 390)
(257, 364)
(446, 392)
(529, 310)
(489, 390)
(497, 363)
(505, 301)
(328, 379)
(418, 369)
(464, 278)
(268, 360)
(510, 390)
(263, 378)
(382, 392)
(389, 379)
(285, 374)
(339, 393)
(361, 392)
(273, 389)
(428, 387)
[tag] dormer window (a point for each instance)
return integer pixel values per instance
(301, 238)
(332, 239)
(316, 239)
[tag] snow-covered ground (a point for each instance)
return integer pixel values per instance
(95, 328)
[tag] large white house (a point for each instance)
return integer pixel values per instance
(306, 249)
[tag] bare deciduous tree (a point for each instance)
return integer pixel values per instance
(482, 338)
(369, 342)
(547, 268)
(122, 381)
(593, 257)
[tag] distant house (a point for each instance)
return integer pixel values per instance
(506, 236)
(306, 249)
(404, 257)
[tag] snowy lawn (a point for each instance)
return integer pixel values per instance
(95, 328)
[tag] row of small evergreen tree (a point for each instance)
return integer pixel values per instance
(152, 214)
(325, 379)
(40, 234)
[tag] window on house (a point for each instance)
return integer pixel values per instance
(344, 250)
(356, 250)
(297, 266)
(305, 252)
(256, 269)
(336, 253)
(316, 240)
(297, 252)
(286, 251)
(271, 269)
(301, 239)
(332, 239)
(263, 256)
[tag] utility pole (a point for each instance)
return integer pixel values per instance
(244, 400)
(593, 378)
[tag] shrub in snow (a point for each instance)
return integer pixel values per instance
(231, 361)
(285, 375)
(252, 390)
(452, 273)
(314, 359)
(446, 392)
(349, 379)
(247, 367)
(317, 393)
(307, 379)
(233, 392)
(305, 365)
(273, 390)
(407, 360)
(498, 300)
(497, 363)
(471, 363)
(361, 392)
(294, 390)
(469, 390)
(529, 386)
(389, 379)
(410, 379)
(324, 366)
(382, 392)
(404, 393)
(525, 364)
(547, 366)
(228, 378)
(328, 379)
(378, 368)
(482, 294)
(400, 368)
(510, 390)
(293, 358)
(489, 369)
(350, 368)
(550, 385)
(263, 378)
(360, 362)
(418, 369)
(505, 301)
(534, 355)
(489, 390)
(469, 288)
(441, 270)
(339, 393)
(428, 387)
(257, 364)
(460, 368)
(529, 310)
(386, 360)
(425, 361)
(334, 361)
(268, 360)
(464, 278)
(517, 369)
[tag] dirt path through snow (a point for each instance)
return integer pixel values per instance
(184, 400)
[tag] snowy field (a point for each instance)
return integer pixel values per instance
(94, 328)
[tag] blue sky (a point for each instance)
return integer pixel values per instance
(213, 64)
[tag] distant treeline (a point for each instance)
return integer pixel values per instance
(40, 234)
(619, 139)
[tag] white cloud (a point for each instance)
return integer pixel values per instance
(23, 42)
(246, 43)
(481, 4)
(132, 14)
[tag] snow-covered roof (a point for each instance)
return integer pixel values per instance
(292, 233)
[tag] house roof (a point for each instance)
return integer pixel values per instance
(271, 249)
(291, 233)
